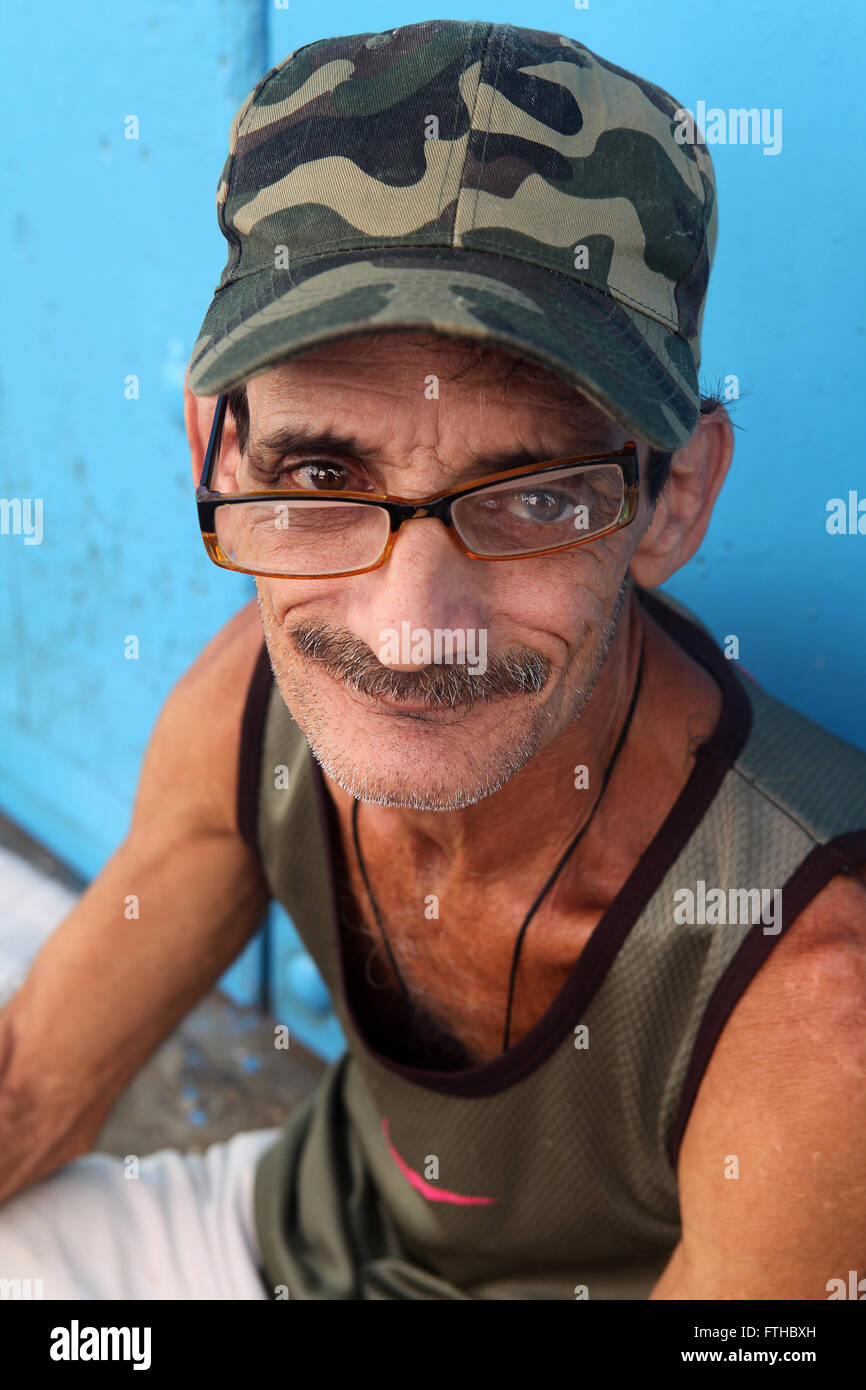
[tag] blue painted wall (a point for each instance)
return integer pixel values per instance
(111, 251)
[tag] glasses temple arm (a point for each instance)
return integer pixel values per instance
(212, 450)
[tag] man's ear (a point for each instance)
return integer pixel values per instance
(198, 413)
(683, 510)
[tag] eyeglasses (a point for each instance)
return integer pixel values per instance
(304, 533)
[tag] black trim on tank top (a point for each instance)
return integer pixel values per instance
(250, 753)
(713, 760)
(838, 856)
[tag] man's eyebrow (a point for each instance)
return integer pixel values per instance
(305, 440)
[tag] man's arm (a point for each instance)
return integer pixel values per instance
(106, 989)
(784, 1095)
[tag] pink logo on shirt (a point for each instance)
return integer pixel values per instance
(429, 1189)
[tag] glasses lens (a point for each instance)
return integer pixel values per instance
(548, 510)
(301, 537)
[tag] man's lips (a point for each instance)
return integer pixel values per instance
(411, 709)
(411, 706)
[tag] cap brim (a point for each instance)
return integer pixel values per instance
(637, 370)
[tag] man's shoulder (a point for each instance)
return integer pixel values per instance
(802, 1012)
(774, 1142)
(226, 661)
(803, 769)
(798, 1026)
(191, 765)
(804, 1008)
(811, 776)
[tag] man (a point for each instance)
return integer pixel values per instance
(590, 904)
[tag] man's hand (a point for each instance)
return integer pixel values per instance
(106, 988)
(772, 1169)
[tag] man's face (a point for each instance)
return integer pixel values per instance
(385, 724)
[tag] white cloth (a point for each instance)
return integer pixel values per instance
(182, 1229)
(31, 906)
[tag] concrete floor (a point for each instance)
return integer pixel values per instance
(217, 1074)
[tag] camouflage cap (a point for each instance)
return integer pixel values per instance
(476, 180)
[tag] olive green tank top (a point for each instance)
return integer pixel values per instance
(550, 1171)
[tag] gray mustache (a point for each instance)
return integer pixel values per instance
(517, 672)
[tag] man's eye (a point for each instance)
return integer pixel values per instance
(330, 477)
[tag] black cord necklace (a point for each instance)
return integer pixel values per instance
(548, 885)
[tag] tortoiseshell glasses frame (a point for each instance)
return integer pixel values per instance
(403, 509)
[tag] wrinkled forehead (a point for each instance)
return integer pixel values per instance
(429, 362)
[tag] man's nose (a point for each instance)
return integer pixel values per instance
(427, 581)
